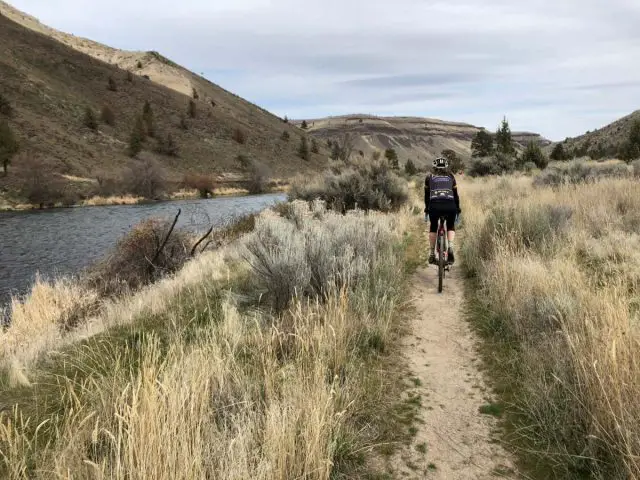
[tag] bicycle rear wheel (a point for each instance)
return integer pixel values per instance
(440, 262)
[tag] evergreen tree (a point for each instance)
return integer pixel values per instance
(482, 144)
(303, 150)
(559, 153)
(8, 145)
(314, 146)
(112, 85)
(631, 149)
(136, 138)
(336, 151)
(392, 157)
(304, 124)
(147, 118)
(455, 162)
(534, 154)
(410, 168)
(167, 146)
(504, 141)
(5, 106)
(192, 109)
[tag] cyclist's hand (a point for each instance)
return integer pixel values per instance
(458, 218)
(426, 217)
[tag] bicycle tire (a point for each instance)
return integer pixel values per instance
(440, 263)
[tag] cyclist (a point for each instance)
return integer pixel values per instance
(441, 200)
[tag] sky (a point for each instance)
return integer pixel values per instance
(557, 67)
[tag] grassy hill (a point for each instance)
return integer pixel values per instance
(49, 84)
(603, 142)
(420, 139)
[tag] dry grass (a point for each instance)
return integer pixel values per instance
(185, 379)
(115, 200)
(230, 191)
(184, 193)
(557, 275)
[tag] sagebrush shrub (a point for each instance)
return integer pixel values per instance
(311, 251)
(366, 186)
(580, 171)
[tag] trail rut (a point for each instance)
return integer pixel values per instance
(453, 440)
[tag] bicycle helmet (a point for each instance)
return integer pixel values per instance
(441, 163)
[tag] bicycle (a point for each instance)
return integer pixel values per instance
(442, 252)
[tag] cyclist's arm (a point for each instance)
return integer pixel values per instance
(455, 193)
(427, 194)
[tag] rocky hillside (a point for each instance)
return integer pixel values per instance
(421, 139)
(603, 142)
(49, 79)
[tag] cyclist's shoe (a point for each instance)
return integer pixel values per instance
(432, 258)
(451, 259)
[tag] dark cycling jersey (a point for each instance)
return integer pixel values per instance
(441, 191)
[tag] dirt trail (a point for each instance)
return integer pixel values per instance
(455, 441)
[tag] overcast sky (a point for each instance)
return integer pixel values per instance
(559, 67)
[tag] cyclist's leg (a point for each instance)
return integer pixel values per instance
(451, 236)
(433, 228)
(433, 233)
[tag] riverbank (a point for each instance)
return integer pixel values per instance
(251, 362)
(99, 201)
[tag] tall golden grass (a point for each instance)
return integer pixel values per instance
(113, 200)
(557, 277)
(189, 378)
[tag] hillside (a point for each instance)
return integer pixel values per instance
(49, 85)
(421, 139)
(605, 141)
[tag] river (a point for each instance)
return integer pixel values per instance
(64, 241)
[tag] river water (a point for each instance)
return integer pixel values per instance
(64, 241)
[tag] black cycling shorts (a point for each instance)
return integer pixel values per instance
(435, 213)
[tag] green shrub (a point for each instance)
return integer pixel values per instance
(392, 157)
(107, 115)
(314, 146)
(534, 154)
(285, 136)
(239, 136)
(559, 153)
(455, 162)
(89, 120)
(5, 106)
(410, 168)
(499, 164)
(366, 186)
(167, 146)
(112, 85)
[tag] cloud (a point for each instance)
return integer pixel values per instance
(557, 67)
